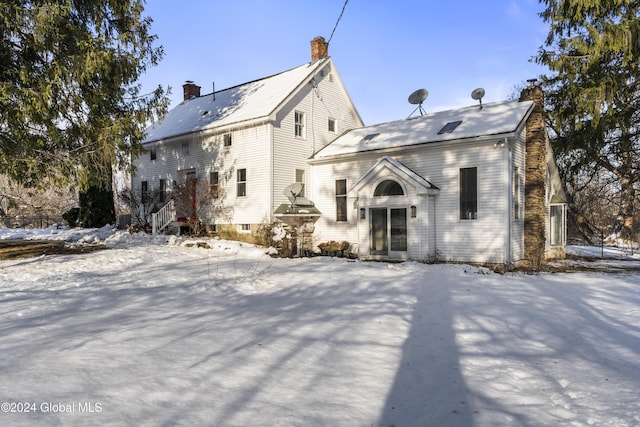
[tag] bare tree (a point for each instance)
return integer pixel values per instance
(141, 204)
(16, 199)
(200, 203)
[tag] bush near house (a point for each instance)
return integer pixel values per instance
(334, 248)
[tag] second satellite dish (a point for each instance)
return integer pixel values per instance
(417, 98)
(477, 94)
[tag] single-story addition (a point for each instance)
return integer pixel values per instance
(477, 184)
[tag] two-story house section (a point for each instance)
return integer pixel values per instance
(248, 142)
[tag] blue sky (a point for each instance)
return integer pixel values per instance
(383, 50)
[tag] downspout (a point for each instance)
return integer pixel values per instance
(509, 213)
(271, 174)
(435, 230)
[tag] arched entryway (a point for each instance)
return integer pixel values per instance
(388, 224)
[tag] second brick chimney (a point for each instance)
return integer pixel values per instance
(319, 48)
(191, 90)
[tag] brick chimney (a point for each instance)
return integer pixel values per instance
(319, 48)
(190, 90)
(535, 177)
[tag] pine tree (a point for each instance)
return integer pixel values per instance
(70, 106)
(594, 49)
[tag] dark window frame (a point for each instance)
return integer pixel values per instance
(450, 127)
(162, 190)
(331, 125)
(299, 119)
(144, 191)
(341, 200)
(214, 183)
(469, 193)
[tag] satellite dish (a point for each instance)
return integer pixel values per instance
(477, 94)
(294, 194)
(417, 98)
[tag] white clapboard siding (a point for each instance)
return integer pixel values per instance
(481, 240)
(324, 99)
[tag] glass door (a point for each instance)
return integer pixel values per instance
(388, 231)
(379, 239)
(398, 229)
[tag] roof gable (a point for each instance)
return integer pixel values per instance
(250, 101)
(497, 118)
(398, 169)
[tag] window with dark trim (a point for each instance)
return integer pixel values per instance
(341, 200)
(162, 190)
(468, 193)
(450, 127)
(214, 183)
(152, 153)
(227, 140)
(299, 124)
(144, 191)
(242, 182)
(332, 125)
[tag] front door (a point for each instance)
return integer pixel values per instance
(388, 232)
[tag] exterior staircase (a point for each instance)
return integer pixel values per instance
(164, 217)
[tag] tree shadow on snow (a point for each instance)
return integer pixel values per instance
(429, 389)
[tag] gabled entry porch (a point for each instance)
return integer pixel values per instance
(396, 211)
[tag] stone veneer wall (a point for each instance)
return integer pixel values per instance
(535, 177)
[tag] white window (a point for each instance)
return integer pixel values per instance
(300, 179)
(516, 193)
(244, 228)
(241, 182)
(299, 124)
(227, 139)
(557, 218)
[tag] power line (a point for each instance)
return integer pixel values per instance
(339, 17)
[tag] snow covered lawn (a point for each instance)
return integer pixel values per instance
(153, 332)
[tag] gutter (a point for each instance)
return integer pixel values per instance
(408, 148)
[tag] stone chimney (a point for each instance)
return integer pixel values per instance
(190, 90)
(535, 177)
(319, 48)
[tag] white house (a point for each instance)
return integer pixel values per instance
(249, 142)
(476, 184)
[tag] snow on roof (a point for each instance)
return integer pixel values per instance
(248, 101)
(494, 118)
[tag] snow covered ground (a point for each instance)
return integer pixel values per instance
(157, 331)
